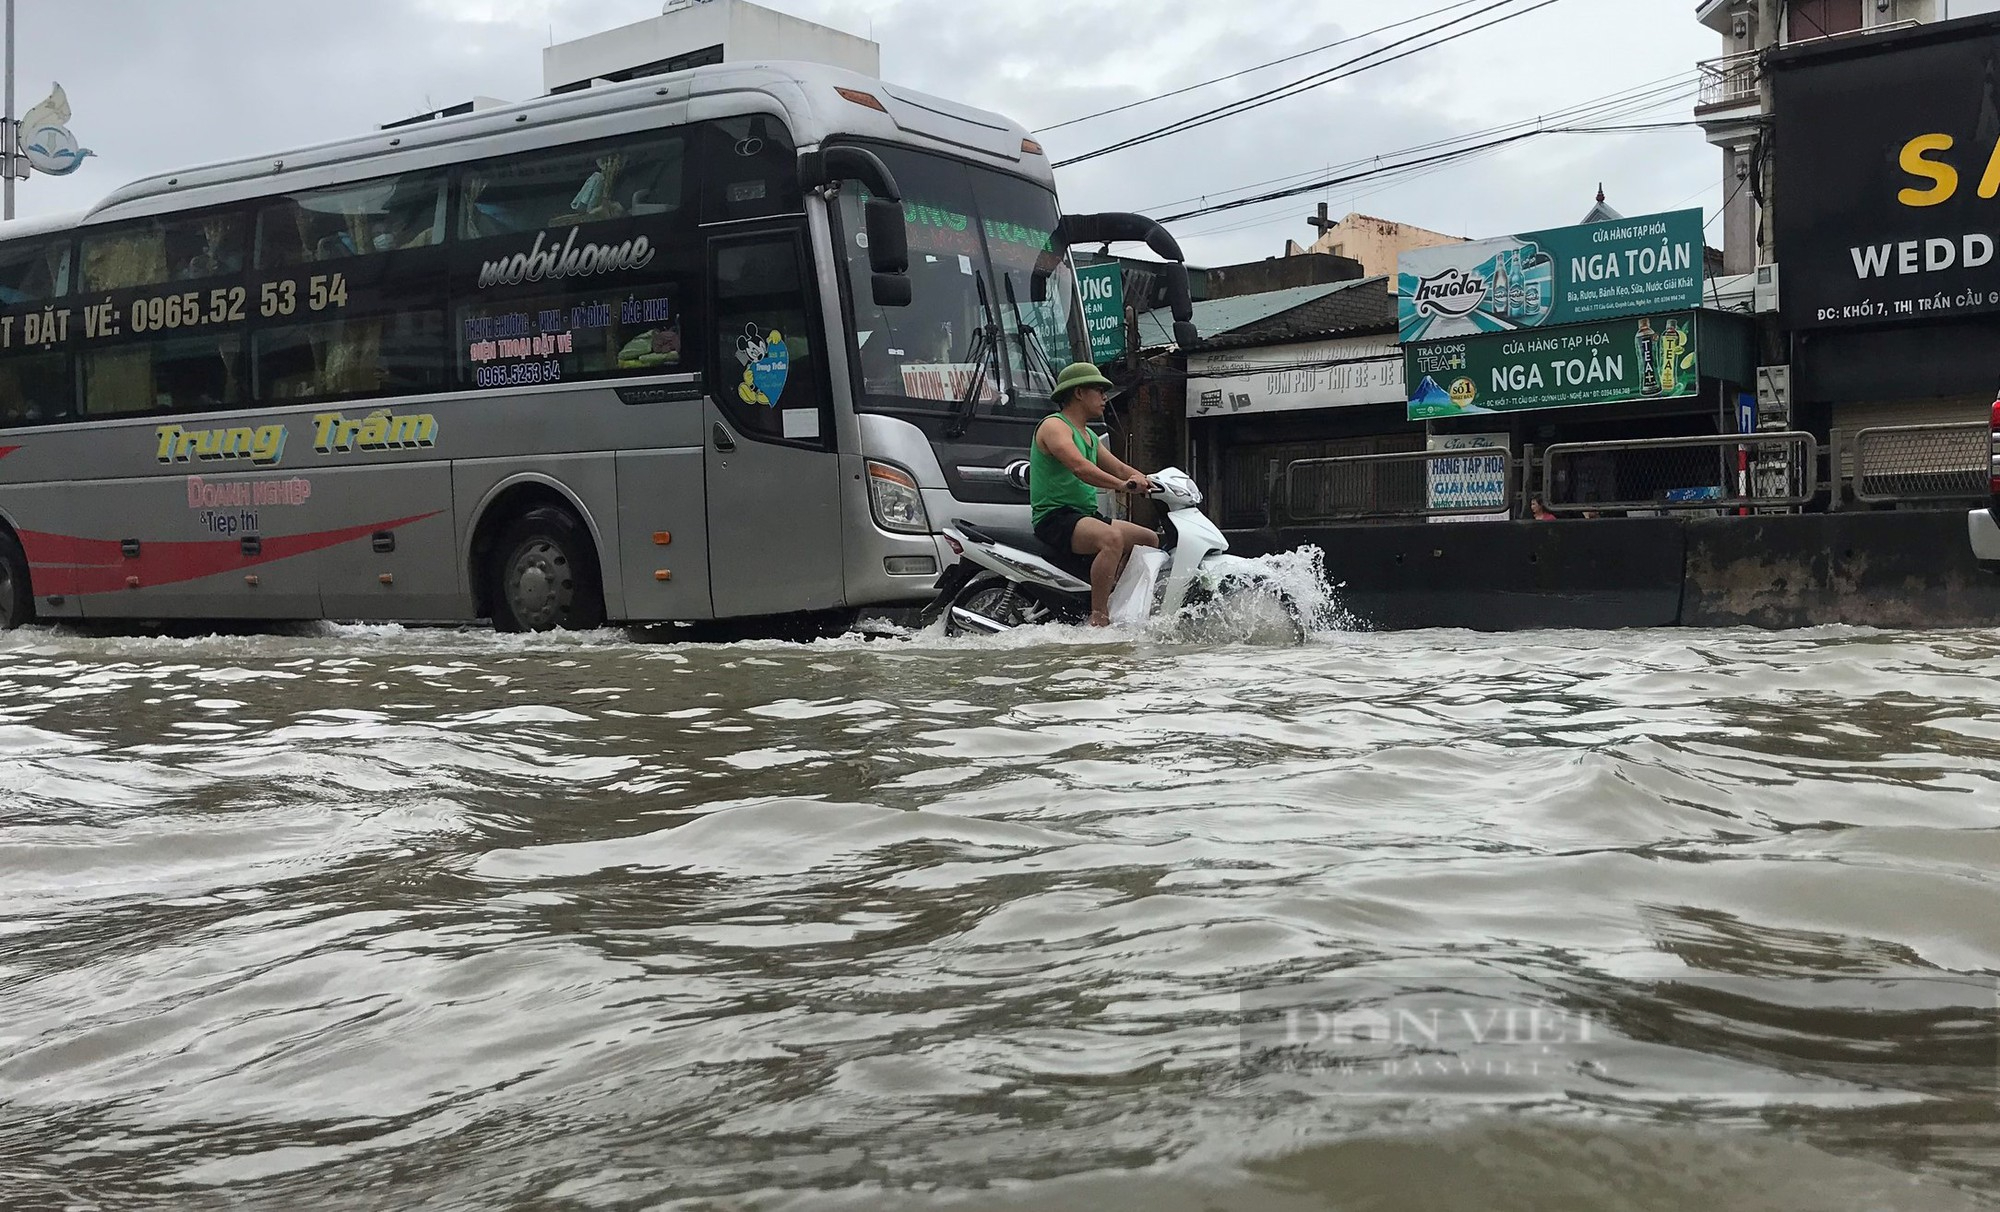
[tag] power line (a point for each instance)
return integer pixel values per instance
(1119, 109)
(1639, 99)
(1340, 71)
(1436, 158)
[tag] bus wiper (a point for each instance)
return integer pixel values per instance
(984, 350)
(1033, 352)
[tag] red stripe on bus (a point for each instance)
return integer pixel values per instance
(7, 450)
(100, 566)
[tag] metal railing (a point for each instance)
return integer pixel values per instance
(1897, 463)
(1718, 471)
(1417, 483)
(1794, 37)
(1728, 80)
(1920, 465)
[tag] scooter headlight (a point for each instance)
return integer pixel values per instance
(895, 501)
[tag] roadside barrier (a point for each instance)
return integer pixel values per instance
(1893, 464)
(1475, 482)
(1919, 466)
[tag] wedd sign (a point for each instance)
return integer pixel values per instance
(1890, 209)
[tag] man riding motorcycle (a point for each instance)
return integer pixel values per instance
(1067, 464)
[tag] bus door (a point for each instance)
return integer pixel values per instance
(774, 524)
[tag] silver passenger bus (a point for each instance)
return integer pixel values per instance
(727, 343)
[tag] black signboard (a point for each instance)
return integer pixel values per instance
(1887, 193)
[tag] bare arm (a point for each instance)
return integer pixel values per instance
(1055, 439)
(1125, 472)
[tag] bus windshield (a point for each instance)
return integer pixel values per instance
(980, 257)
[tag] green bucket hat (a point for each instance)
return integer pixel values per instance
(1075, 375)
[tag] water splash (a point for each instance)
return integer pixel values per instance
(1271, 598)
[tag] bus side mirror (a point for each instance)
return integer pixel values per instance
(890, 290)
(888, 238)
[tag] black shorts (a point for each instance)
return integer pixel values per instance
(1059, 524)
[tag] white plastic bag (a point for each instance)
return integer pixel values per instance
(1132, 596)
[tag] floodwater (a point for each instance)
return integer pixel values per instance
(365, 917)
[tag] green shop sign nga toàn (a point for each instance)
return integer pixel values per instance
(1547, 279)
(1648, 358)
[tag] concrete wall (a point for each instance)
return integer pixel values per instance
(744, 30)
(1376, 243)
(1902, 569)
(1499, 576)
(1277, 273)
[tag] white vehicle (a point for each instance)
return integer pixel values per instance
(1008, 578)
(714, 344)
(1983, 524)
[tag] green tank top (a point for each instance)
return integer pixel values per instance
(1052, 486)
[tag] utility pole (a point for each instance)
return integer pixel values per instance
(1770, 36)
(10, 138)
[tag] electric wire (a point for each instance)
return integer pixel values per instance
(1341, 71)
(1439, 157)
(1383, 29)
(1655, 94)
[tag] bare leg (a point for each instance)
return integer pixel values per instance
(1107, 548)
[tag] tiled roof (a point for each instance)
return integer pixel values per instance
(1281, 315)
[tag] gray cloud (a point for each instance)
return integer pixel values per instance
(158, 86)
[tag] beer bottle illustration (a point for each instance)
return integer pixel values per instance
(1517, 291)
(1671, 342)
(1648, 344)
(1497, 289)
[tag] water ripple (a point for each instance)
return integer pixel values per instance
(379, 917)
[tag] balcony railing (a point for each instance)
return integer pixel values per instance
(1733, 79)
(1808, 34)
(1729, 80)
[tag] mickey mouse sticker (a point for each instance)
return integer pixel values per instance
(766, 365)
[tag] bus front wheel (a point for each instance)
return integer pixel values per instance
(545, 574)
(17, 598)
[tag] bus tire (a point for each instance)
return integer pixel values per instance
(544, 574)
(17, 596)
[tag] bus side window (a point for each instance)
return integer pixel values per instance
(767, 378)
(402, 353)
(34, 272)
(630, 179)
(35, 388)
(379, 216)
(36, 385)
(748, 169)
(149, 252)
(186, 374)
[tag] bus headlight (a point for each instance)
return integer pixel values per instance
(895, 501)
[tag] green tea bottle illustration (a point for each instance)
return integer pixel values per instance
(1671, 342)
(1648, 343)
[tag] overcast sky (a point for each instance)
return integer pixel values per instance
(158, 86)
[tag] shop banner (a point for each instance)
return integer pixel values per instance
(1889, 165)
(1102, 288)
(1339, 373)
(1544, 279)
(1470, 481)
(1651, 358)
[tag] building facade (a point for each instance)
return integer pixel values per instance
(1884, 225)
(1734, 104)
(1375, 243)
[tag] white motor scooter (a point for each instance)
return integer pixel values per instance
(1008, 578)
